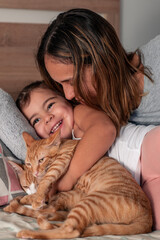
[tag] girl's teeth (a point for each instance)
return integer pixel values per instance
(56, 126)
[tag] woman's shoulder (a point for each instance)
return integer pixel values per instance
(85, 117)
(84, 111)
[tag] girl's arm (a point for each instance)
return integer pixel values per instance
(98, 134)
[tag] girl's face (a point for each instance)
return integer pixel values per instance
(47, 112)
(63, 74)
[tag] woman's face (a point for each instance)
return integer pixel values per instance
(63, 73)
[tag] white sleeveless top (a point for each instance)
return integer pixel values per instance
(127, 147)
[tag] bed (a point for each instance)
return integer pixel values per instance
(18, 44)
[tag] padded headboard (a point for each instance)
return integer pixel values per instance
(19, 41)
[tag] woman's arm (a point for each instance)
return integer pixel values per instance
(98, 134)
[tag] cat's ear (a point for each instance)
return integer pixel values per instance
(17, 167)
(28, 139)
(54, 139)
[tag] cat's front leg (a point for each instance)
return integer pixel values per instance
(41, 194)
(12, 207)
(39, 199)
(28, 199)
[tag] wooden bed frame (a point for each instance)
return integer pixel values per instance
(19, 41)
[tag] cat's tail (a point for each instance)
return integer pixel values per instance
(117, 229)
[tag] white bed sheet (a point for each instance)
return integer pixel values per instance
(10, 224)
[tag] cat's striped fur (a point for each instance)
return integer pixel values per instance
(105, 200)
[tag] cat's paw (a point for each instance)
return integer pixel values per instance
(43, 223)
(25, 234)
(11, 208)
(8, 209)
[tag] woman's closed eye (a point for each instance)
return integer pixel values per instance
(68, 81)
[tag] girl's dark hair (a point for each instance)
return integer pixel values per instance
(84, 38)
(24, 96)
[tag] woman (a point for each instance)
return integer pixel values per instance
(80, 54)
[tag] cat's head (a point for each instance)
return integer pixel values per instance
(27, 180)
(41, 153)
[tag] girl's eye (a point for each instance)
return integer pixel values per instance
(35, 121)
(50, 106)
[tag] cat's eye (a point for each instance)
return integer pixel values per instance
(41, 160)
(28, 164)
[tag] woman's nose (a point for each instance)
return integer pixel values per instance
(68, 92)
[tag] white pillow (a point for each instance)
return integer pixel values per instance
(12, 124)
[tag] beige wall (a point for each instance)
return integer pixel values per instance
(26, 16)
(140, 20)
(22, 24)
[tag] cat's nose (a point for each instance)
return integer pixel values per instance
(35, 174)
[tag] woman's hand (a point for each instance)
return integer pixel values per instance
(66, 183)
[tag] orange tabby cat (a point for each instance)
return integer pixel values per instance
(105, 200)
(48, 160)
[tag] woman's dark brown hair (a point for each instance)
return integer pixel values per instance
(84, 38)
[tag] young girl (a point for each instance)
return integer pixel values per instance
(47, 111)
